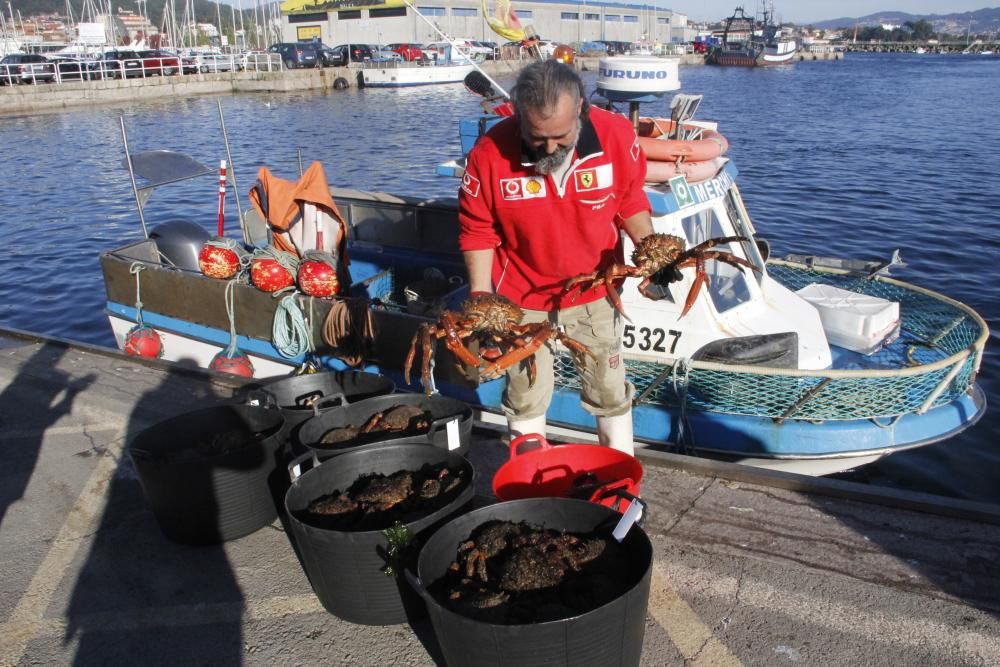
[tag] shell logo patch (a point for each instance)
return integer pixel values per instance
(595, 178)
(470, 184)
(522, 188)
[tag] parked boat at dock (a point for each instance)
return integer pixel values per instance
(832, 409)
(398, 74)
(747, 42)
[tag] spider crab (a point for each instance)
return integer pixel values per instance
(653, 253)
(496, 321)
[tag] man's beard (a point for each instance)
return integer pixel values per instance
(549, 163)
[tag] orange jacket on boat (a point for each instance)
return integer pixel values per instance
(293, 209)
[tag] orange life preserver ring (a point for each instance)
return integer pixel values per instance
(651, 132)
(661, 172)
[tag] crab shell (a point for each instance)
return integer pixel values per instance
(655, 251)
(491, 314)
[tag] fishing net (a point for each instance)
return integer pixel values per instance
(938, 350)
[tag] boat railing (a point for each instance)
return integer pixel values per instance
(933, 362)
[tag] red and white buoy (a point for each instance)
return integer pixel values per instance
(218, 257)
(318, 271)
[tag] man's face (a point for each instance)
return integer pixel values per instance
(552, 135)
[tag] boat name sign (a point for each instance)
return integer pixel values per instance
(683, 194)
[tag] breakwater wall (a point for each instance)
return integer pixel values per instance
(47, 97)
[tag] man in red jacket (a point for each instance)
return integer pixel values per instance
(545, 197)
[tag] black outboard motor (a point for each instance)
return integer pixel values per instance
(179, 242)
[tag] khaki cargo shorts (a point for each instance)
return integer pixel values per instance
(604, 390)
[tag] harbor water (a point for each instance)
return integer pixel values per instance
(853, 158)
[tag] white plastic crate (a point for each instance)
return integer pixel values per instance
(857, 322)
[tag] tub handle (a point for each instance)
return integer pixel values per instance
(635, 514)
(327, 401)
(295, 465)
(418, 586)
(259, 397)
(622, 489)
(538, 438)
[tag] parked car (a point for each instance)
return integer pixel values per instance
(26, 68)
(262, 61)
(296, 54)
(159, 62)
(410, 52)
(384, 54)
(189, 64)
(115, 65)
(212, 63)
(358, 52)
(70, 69)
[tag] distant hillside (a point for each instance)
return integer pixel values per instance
(983, 21)
(205, 10)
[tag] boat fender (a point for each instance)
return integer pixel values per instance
(779, 350)
(340, 83)
(143, 341)
(361, 80)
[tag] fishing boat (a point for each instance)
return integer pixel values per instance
(747, 42)
(398, 74)
(807, 363)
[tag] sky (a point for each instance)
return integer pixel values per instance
(806, 11)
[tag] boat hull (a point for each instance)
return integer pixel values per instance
(802, 445)
(403, 76)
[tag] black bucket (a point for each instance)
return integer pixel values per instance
(300, 396)
(210, 494)
(442, 410)
(609, 635)
(346, 568)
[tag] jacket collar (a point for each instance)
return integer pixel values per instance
(587, 143)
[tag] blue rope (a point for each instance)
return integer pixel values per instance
(289, 333)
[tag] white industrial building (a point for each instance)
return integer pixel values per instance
(566, 22)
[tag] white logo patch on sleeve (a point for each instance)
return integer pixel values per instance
(635, 151)
(529, 187)
(470, 184)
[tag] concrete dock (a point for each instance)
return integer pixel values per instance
(750, 568)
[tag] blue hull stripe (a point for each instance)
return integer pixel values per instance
(737, 435)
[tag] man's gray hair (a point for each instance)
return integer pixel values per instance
(540, 85)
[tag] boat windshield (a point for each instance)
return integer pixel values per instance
(727, 285)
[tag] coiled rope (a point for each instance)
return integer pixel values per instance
(350, 329)
(289, 261)
(290, 333)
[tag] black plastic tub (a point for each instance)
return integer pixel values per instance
(346, 568)
(300, 397)
(609, 635)
(209, 494)
(442, 411)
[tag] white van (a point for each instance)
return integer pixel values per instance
(467, 48)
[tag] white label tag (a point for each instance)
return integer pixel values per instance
(632, 514)
(454, 441)
(296, 471)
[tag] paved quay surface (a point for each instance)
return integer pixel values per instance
(745, 572)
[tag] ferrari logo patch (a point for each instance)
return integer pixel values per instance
(522, 188)
(471, 185)
(596, 178)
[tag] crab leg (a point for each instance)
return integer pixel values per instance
(522, 352)
(700, 278)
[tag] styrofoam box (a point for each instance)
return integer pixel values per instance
(857, 322)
